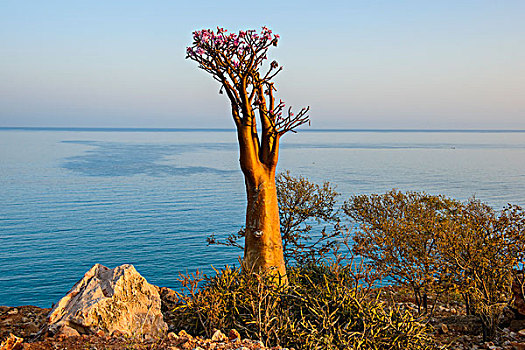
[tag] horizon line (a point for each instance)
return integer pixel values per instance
(138, 129)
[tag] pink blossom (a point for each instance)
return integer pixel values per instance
(239, 45)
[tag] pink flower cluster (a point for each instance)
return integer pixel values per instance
(206, 43)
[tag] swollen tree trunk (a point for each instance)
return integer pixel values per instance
(263, 246)
(263, 249)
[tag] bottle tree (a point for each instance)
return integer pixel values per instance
(236, 61)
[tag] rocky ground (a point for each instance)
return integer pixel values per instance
(452, 328)
(456, 330)
(21, 328)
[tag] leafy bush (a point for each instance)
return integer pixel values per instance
(325, 307)
(436, 244)
(398, 235)
(482, 251)
(302, 204)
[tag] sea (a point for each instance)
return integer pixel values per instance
(73, 197)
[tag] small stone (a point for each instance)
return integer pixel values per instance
(100, 333)
(521, 332)
(443, 328)
(234, 335)
(184, 334)
(12, 312)
(172, 336)
(66, 332)
(218, 336)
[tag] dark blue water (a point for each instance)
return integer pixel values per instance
(70, 198)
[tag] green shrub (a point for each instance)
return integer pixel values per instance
(433, 244)
(482, 251)
(398, 235)
(325, 307)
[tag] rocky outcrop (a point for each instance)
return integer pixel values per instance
(110, 300)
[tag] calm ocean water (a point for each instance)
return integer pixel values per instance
(73, 198)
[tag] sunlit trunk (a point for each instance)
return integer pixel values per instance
(263, 248)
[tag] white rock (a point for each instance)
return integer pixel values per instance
(109, 300)
(218, 336)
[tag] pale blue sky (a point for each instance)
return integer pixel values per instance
(358, 64)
